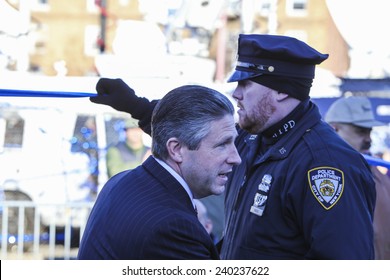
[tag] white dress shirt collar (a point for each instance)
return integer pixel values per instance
(178, 178)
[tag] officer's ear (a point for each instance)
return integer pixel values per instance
(281, 96)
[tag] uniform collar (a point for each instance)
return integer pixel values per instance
(287, 124)
(280, 147)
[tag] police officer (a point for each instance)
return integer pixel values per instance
(300, 192)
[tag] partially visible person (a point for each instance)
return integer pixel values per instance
(203, 217)
(215, 208)
(129, 153)
(353, 119)
(301, 192)
(149, 212)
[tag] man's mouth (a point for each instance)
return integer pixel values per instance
(224, 174)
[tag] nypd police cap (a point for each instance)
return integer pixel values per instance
(277, 55)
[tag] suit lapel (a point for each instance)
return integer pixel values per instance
(169, 183)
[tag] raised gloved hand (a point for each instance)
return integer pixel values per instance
(117, 94)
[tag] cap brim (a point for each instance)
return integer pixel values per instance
(369, 124)
(242, 75)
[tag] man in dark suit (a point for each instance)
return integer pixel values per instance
(148, 212)
(300, 191)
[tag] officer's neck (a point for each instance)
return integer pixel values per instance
(277, 131)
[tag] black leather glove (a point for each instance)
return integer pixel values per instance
(117, 94)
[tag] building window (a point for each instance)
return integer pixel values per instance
(14, 129)
(40, 38)
(296, 8)
(40, 5)
(264, 7)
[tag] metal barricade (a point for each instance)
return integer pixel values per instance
(38, 240)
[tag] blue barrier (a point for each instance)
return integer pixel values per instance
(41, 93)
(376, 161)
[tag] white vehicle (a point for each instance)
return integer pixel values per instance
(52, 152)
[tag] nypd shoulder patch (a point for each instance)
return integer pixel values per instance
(326, 184)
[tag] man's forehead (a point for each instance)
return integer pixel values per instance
(225, 125)
(355, 127)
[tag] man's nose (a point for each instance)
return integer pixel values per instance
(237, 93)
(234, 157)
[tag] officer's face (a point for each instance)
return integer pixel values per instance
(358, 137)
(205, 170)
(256, 105)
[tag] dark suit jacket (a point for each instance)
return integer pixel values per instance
(145, 214)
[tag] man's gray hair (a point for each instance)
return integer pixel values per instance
(186, 113)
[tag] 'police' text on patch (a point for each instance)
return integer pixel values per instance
(326, 184)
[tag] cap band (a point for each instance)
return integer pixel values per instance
(276, 67)
(253, 66)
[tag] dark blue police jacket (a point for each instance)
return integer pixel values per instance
(309, 195)
(145, 214)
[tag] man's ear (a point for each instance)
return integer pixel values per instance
(335, 126)
(281, 96)
(174, 148)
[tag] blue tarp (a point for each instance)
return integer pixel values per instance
(324, 103)
(365, 85)
(362, 86)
